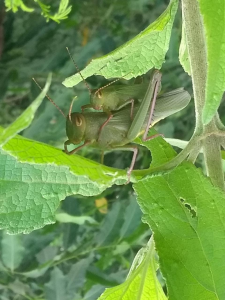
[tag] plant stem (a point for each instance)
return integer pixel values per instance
(212, 155)
(196, 46)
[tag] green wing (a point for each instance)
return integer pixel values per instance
(170, 103)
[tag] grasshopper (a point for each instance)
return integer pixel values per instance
(120, 131)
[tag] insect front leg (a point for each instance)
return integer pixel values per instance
(76, 149)
(83, 107)
(110, 115)
(130, 101)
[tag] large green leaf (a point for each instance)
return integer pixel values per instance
(25, 119)
(142, 282)
(136, 57)
(214, 23)
(34, 178)
(187, 215)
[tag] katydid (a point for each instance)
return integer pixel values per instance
(121, 130)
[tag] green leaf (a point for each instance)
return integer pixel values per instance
(136, 57)
(214, 23)
(142, 282)
(29, 151)
(15, 4)
(94, 292)
(24, 120)
(32, 188)
(66, 218)
(183, 53)
(34, 177)
(111, 225)
(12, 251)
(55, 289)
(132, 220)
(62, 13)
(46, 254)
(35, 273)
(161, 151)
(75, 279)
(187, 215)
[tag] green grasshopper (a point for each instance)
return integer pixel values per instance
(119, 132)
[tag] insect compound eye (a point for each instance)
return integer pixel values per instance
(78, 121)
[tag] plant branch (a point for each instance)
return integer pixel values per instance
(172, 163)
(196, 46)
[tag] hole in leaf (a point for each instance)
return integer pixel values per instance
(189, 207)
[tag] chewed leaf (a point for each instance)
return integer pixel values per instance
(136, 57)
(186, 214)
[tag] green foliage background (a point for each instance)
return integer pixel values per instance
(95, 247)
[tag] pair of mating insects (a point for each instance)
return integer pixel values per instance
(128, 111)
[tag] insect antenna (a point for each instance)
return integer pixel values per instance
(103, 87)
(110, 83)
(71, 106)
(78, 70)
(47, 96)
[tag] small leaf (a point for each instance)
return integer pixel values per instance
(66, 218)
(142, 282)
(94, 292)
(19, 288)
(161, 151)
(136, 57)
(35, 273)
(15, 4)
(24, 120)
(55, 289)
(12, 251)
(132, 220)
(183, 53)
(111, 225)
(46, 254)
(75, 279)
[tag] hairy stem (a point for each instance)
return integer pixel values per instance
(196, 45)
(212, 155)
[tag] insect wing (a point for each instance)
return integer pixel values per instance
(170, 103)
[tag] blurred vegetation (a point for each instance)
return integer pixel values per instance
(81, 259)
